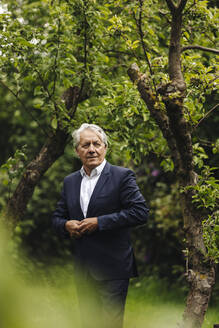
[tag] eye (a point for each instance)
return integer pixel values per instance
(97, 144)
(85, 146)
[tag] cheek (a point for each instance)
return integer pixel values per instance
(81, 154)
(103, 153)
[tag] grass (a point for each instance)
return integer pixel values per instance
(31, 298)
(152, 303)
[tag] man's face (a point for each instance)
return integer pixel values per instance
(91, 150)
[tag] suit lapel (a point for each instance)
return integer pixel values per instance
(76, 193)
(100, 183)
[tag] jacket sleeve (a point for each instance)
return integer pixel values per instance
(60, 216)
(133, 207)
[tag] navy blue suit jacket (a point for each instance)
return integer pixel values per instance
(118, 204)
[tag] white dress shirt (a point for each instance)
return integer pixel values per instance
(88, 184)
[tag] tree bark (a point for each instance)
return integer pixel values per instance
(201, 273)
(55, 144)
(52, 149)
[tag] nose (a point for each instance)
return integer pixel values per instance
(91, 148)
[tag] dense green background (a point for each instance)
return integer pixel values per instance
(43, 52)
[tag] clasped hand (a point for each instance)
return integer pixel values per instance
(78, 228)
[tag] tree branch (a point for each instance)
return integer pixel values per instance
(43, 83)
(139, 25)
(159, 115)
(56, 58)
(204, 117)
(116, 53)
(216, 51)
(52, 149)
(175, 71)
(85, 38)
(24, 106)
(181, 6)
(85, 59)
(165, 15)
(141, 34)
(20, 52)
(171, 6)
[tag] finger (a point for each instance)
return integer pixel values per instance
(82, 223)
(82, 226)
(84, 229)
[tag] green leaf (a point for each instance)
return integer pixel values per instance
(25, 43)
(54, 123)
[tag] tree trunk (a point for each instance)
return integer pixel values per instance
(201, 273)
(52, 149)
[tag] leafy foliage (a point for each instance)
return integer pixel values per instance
(13, 168)
(206, 196)
(48, 46)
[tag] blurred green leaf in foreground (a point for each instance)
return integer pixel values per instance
(33, 297)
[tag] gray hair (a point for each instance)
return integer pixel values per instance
(97, 129)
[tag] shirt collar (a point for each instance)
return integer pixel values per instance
(96, 171)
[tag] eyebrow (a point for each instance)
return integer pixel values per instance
(92, 141)
(89, 142)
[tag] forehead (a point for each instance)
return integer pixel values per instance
(89, 135)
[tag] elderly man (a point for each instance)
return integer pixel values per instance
(99, 204)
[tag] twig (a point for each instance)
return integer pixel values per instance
(85, 59)
(85, 38)
(35, 69)
(165, 15)
(125, 38)
(56, 57)
(24, 106)
(115, 53)
(139, 25)
(141, 34)
(216, 51)
(204, 117)
(43, 83)
(205, 142)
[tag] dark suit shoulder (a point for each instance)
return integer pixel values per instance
(120, 169)
(72, 176)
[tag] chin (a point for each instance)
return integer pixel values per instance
(93, 163)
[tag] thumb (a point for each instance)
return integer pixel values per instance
(80, 222)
